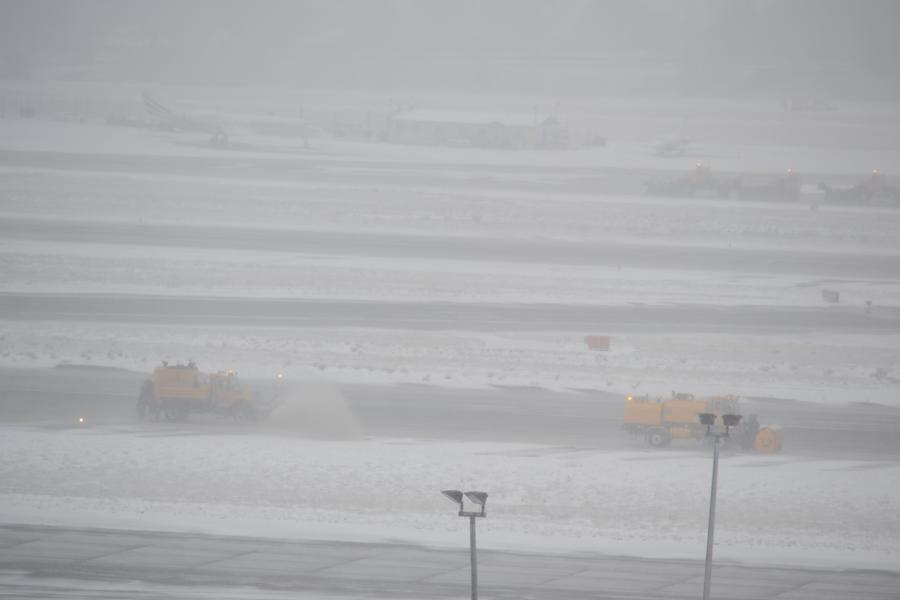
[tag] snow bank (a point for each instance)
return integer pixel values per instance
(59, 267)
(824, 368)
(42, 135)
(771, 509)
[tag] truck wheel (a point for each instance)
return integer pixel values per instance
(747, 431)
(658, 437)
(146, 404)
(175, 411)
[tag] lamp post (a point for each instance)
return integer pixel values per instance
(709, 419)
(478, 499)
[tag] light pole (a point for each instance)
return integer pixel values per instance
(709, 419)
(478, 499)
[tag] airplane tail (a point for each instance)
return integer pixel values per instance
(172, 120)
(157, 109)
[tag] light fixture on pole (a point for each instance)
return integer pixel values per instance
(479, 499)
(709, 419)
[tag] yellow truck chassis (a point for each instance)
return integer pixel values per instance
(660, 421)
(177, 391)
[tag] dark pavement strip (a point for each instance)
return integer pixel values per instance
(585, 421)
(647, 255)
(406, 571)
(442, 316)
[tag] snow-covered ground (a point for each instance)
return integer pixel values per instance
(58, 267)
(82, 137)
(25, 585)
(444, 198)
(827, 368)
(771, 509)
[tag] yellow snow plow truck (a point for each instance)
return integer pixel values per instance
(660, 421)
(176, 391)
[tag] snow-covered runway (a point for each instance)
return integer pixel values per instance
(772, 509)
(367, 465)
(373, 264)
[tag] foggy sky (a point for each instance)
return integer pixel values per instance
(739, 47)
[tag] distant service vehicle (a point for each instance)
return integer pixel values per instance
(874, 190)
(177, 391)
(660, 421)
(700, 182)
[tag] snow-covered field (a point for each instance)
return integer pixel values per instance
(445, 195)
(822, 152)
(771, 509)
(827, 368)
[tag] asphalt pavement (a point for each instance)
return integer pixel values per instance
(442, 316)
(582, 419)
(97, 560)
(646, 255)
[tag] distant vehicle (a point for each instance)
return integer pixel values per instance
(177, 391)
(874, 190)
(701, 182)
(660, 421)
(167, 118)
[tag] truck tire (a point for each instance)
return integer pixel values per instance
(174, 410)
(146, 404)
(658, 437)
(746, 432)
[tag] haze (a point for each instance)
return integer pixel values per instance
(274, 275)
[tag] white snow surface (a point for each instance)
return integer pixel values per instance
(771, 509)
(825, 368)
(28, 586)
(283, 483)
(414, 201)
(92, 137)
(59, 267)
